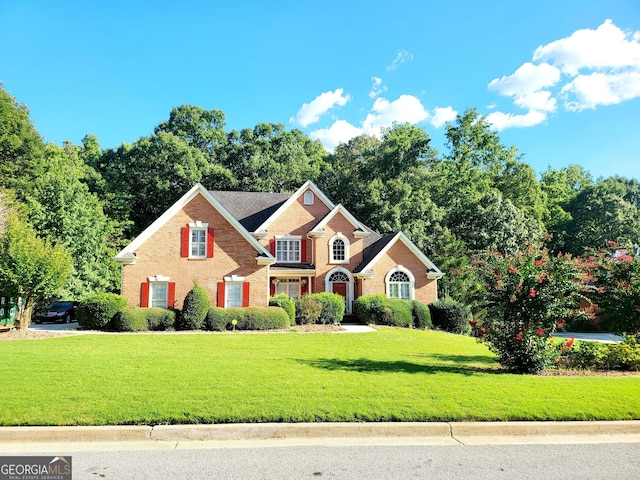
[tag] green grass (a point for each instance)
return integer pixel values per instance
(390, 375)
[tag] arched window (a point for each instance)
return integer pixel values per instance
(339, 249)
(400, 283)
(338, 277)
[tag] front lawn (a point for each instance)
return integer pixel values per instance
(390, 375)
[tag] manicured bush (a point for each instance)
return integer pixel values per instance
(249, 318)
(97, 311)
(380, 310)
(160, 318)
(219, 319)
(421, 315)
(194, 309)
(308, 310)
(282, 300)
(130, 319)
(585, 355)
(450, 316)
(332, 307)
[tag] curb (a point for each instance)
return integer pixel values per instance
(269, 431)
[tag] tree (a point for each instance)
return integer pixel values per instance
(199, 128)
(527, 296)
(63, 211)
(20, 144)
(30, 268)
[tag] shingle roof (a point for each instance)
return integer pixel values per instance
(251, 209)
(374, 243)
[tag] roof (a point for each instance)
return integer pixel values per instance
(251, 209)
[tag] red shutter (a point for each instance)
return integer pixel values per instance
(272, 246)
(171, 295)
(184, 248)
(221, 294)
(304, 289)
(272, 288)
(303, 250)
(245, 294)
(210, 242)
(144, 295)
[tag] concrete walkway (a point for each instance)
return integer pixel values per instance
(590, 337)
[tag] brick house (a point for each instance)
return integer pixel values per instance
(243, 247)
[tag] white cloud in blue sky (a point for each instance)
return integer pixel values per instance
(311, 112)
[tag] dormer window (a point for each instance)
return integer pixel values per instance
(339, 249)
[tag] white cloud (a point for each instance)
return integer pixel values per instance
(442, 115)
(604, 48)
(527, 79)
(401, 57)
(340, 132)
(586, 69)
(501, 120)
(311, 112)
(406, 108)
(376, 88)
(589, 91)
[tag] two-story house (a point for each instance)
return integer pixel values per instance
(243, 247)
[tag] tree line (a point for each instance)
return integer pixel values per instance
(477, 195)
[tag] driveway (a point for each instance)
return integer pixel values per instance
(54, 327)
(591, 337)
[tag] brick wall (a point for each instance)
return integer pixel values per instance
(160, 255)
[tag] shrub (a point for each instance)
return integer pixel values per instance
(194, 310)
(332, 307)
(450, 316)
(622, 356)
(218, 319)
(421, 315)
(308, 310)
(160, 318)
(282, 300)
(380, 310)
(249, 318)
(130, 319)
(97, 311)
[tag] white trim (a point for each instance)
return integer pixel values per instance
(159, 278)
(350, 286)
(347, 244)
(308, 198)
(289, 238)
(432, 271)
(308, 185)
(124, 256)
(408, 273)
(319, 228)
(233, 278)
(227, 290)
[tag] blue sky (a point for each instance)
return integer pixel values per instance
(559, 79)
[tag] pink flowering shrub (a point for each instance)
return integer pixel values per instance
(527, 297)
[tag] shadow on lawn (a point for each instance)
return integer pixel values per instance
(366, 365)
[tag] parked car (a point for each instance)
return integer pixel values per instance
(57, 312)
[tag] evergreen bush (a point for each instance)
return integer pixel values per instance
(130, 319)
(381, 310)
(282, 300)
(96, 312)
(308, 310)
(194, 309)
(332, 307)
(421, 315)
(160, 319)
(450, 316)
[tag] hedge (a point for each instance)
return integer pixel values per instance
(450, 316)
(249, 318)
(97, 311)
(130, 319)
(381, 310)
(160, 318)
(421, 315)
(332, 307)
(308, 310)
(282, 300)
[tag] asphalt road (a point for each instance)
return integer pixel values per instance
(618, 461)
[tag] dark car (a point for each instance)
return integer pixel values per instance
(57, 312)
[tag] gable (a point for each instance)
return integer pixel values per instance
(195, 205)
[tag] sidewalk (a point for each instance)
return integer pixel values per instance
(38, 439)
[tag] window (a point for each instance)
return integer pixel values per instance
(339, 249)
(399, 285)
(159, 294)
(288, 250)
(198, 243)
(288, 286)
(234, 294)
(308, 197)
